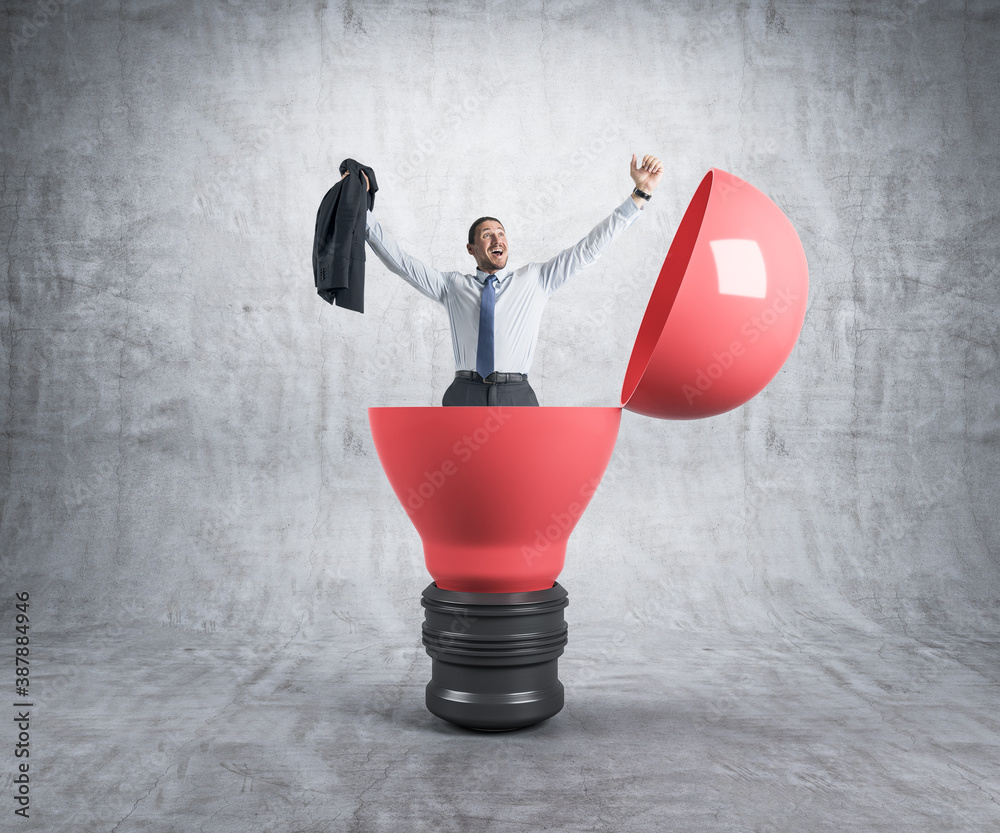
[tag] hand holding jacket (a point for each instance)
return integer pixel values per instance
(339, 240)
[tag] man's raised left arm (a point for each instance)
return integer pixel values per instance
(559, 269)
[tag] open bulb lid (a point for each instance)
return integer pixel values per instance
(726, 309)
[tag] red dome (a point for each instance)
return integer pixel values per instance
(726, 309)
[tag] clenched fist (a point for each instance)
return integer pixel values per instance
(647, 175)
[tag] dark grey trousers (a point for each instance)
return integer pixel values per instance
(472, 392)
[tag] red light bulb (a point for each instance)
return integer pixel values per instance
(495, 492)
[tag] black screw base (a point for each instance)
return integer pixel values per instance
(494, 656)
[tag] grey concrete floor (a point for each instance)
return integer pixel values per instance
(817, 727)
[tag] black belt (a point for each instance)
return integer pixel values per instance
(493, 378)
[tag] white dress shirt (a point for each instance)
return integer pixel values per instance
(521, 293)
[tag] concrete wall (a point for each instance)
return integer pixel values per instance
(185, 431)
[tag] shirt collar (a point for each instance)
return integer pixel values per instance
(501, 275)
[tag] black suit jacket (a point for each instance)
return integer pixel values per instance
(339, 241)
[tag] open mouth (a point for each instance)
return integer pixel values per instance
(496, 252)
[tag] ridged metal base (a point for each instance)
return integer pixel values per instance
(494, 656)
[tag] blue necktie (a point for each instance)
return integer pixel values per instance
(484, 350)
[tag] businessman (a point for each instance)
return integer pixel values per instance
(495, 313)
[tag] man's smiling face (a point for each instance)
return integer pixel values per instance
(490, 247)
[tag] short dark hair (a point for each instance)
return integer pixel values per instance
(475, 225)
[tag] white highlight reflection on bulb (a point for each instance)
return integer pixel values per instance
(740, 266)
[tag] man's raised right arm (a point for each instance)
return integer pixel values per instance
(427, 279)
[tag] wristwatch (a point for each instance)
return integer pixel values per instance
(642, 194)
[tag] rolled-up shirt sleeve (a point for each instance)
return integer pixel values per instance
(427, 279)
(556, 271)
